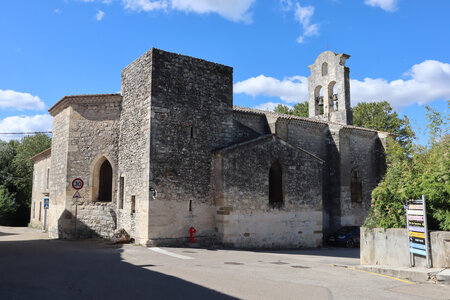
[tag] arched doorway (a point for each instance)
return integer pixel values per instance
(275, 186)
(105, 182)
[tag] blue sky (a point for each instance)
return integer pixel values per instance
(400, 50)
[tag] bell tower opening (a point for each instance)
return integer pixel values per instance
(329, 88)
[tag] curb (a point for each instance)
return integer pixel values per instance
(437, 275)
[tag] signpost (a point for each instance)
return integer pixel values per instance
(46, 206)
(416, 222)
(77, 184)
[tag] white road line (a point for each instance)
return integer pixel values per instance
(162, 251)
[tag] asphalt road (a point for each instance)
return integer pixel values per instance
(34, 267)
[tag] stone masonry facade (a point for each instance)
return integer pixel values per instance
(171, 151)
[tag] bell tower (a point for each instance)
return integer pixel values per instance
(329, 88)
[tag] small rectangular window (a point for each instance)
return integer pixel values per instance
(48, 177)
(121, 192)
(40, 209)
(133, 204)
(34, 209)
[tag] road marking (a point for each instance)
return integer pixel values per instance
(373, 273)
(162, 251)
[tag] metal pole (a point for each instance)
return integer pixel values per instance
(76, 212)
(427, 244)
(45, 220)
(407, 234)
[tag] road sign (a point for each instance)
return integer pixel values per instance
(416, 223)
(77, 183)
(46, 202)
(76, 195)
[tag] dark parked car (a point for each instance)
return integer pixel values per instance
(348, 236)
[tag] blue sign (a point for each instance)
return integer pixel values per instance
(46, 202)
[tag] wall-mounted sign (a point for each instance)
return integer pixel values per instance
(416, 222)
(46, 202)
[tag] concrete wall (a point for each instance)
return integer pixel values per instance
(390, 247)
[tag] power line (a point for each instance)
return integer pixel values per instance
(30, 132)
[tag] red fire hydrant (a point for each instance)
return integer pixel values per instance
(191, 232)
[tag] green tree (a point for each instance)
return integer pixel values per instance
(413, 172)
(299, 109)
(16, 177)
(282, 109)
(7, 154)
(380, 116)
(8, 207)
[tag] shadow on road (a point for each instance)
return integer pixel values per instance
(89, 269)
(5, 234)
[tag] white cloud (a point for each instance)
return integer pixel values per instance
(387, 5)
(57, 11)
(291, 90)
(304, 15)
(144, 5)
(233, 10)
(286, 5)
(24, 124)
(20, 101)
(428, 81)
(100, 14)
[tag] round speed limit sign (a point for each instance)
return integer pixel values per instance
(77, 183)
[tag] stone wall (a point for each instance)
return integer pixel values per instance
(134, 146)
(241, 194)
(57, 225)
(329, 70)
(191, 106)
(356, 149)
(41, 187)
(88, 126)
(390, 247)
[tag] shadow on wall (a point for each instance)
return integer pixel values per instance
(66, 225)
(85, 269)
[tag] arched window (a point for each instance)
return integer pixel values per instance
(332, 94)
(105, 182)
(318, 96)
(275, 186)
(324, 69)
(356, 187)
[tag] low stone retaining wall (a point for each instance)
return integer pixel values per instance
(389, 247)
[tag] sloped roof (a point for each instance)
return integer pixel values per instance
(262, 138)
(291, 117)
(41, 155)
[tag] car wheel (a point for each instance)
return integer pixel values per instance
(350, 243)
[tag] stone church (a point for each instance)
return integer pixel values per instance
(171, 152)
